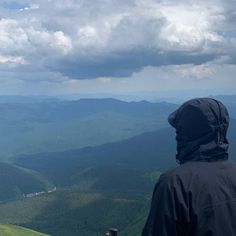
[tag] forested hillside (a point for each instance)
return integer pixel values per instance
(147, 152)
(72, 212)
(52, 125)
(17, 183)
(117, 175)
(98, 187)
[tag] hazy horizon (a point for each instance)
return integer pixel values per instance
(172, 96)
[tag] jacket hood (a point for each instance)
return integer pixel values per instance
(201, 126)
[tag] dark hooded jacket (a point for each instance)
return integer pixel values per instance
(197, 198)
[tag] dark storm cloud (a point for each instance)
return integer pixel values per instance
(124, 64)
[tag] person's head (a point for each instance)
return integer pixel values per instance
(201, 126)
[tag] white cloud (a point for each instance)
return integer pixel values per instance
(22, 40)
(175, 38)
(104, 80)
(45, 40)
(11, 59)
(118, 26)
(190, 27)
(13, 38)
(203, 71)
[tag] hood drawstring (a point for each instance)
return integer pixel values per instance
(220, 126)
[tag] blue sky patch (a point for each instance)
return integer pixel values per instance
(13, 5)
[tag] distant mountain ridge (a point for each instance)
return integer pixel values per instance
(62, 125)
(25, 99)
(48, 125)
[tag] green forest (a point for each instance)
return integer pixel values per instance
(84, 188)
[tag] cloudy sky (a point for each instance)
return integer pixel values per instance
(54, 47)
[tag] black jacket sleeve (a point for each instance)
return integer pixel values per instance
(169, 213)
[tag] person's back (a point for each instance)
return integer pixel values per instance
(198, 198)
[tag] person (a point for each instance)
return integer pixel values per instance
(198, 197)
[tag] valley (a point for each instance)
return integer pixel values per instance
(84, 189)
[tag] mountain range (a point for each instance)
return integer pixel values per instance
(51, 125)
(110, 156)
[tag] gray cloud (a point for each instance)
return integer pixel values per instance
(55, 41)
(124, 64)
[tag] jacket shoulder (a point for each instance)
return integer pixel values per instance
(177, 171)
(196, 173)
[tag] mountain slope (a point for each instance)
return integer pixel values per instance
(61, 125)
(16, 182)
(70, 212)
(147, 152)
(12, 230)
